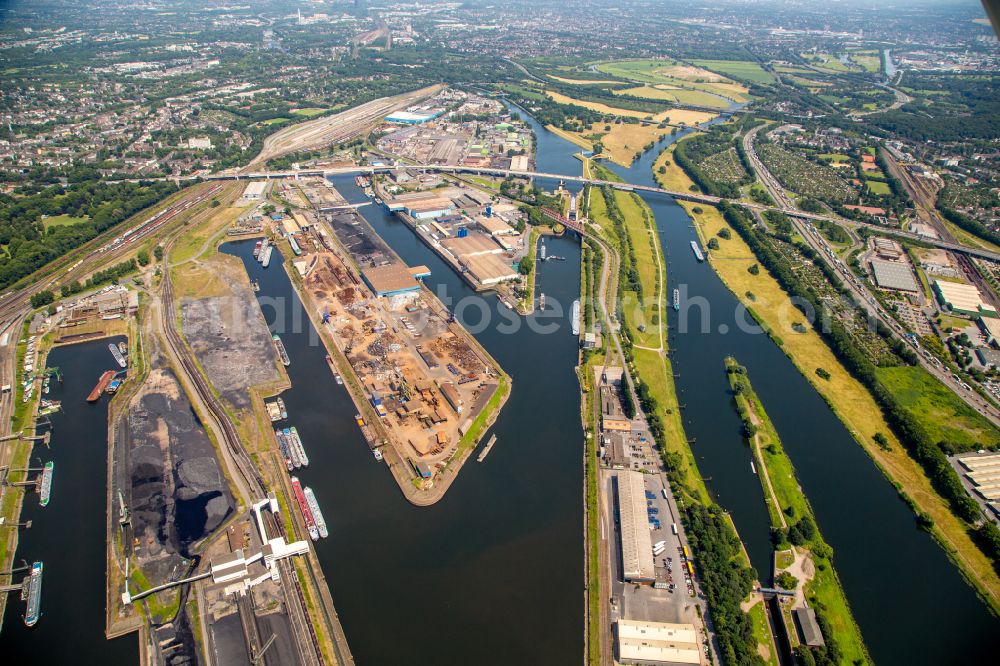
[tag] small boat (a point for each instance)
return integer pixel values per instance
(378, 454)
(338, 378)
(541, 302)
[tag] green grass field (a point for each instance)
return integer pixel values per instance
(308, 112)
(938, 409)
(62, 221)
(878, 187)
(744, 70)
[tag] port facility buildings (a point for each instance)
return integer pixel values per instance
(656, 643)
(636, 546)
(390, 279)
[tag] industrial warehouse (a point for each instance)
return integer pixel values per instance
(637, 548)
(980, 474)
(639, 642)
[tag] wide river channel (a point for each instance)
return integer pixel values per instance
(493, 574)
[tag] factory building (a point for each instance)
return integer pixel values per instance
(640, 642)
(636, 546)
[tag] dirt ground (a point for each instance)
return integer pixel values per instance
(229, 336)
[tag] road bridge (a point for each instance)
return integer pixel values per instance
(627, 187)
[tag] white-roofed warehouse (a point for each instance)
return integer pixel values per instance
(637, 548)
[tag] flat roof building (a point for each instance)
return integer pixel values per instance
(494, 226)
(894, 275)
(636, 546)
(962, 298)
(640, 642)
(489, 269)
(254, 190)
(390, 279)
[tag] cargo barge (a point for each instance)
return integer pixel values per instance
(286, 452)
(102, 384)
(266, 256)
(262, 244)
(34, 595)
(296, 447)
(45, 486)
(317, 514)
(119, 359)
(697, 251)
(576, 317)
(304, 509)
(280, 347)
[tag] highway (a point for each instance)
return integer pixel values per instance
(857, 288)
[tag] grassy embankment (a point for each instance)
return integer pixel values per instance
(590, 362)
(847, 397)
(528, 302)
(787, 505)
(652, 367)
